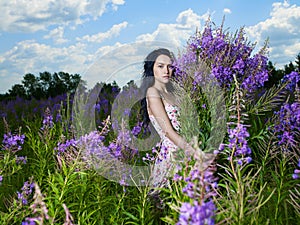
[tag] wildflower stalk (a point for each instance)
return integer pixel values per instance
(236, 173)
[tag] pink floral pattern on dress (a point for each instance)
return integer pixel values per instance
(163, 165)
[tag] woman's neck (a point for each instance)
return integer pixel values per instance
(161, 87)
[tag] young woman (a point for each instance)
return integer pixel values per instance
(160, 107)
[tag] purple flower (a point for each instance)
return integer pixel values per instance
(29, 221)
(62, 147)
(13, 142)
(48, 119)
(115, 149)
(189, 190)
(288, 124)
(292, 78)
(239, 144)
(200, 187)
(136, 130)
(149, 158)
(93, 146)
(186, 210)
(177, 177)
(197, 213)
(226, 56)
(21, 159)
(25, 193)
(1, 178)
(58, 118)
(97, 107)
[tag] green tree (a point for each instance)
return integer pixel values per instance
(46, 81)
(275, 75)
(32, 86)
(17, 90)
(289, 68)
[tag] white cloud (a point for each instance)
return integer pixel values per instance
(24, 16)
(32, 57)
(100, 37)
(116, 3)
(186, 24)
(226, 11)
(283, 31)
(122, 62)
(57, 35)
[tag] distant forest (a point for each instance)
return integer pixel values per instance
(43, 86)
(47, 85)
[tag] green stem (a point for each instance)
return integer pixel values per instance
(282, 170)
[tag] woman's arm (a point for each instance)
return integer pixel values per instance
(158, 111)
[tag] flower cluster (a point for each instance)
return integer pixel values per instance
(62, 147)
(197, 214)
(288, 125)
(47, 120)
(136, 130)
(226, 56)
(292, 78)
(21, 159)
(13, 142)
(39, 209)
(200, 187)
(31, 221)
(93, 146)
(296, 174)
(238, 145)
(25, 193)
(159, 153)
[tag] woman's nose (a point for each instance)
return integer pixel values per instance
(167, 69)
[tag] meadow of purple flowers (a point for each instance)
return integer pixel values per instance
(46, 175)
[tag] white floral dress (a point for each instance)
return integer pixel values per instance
(164, 162)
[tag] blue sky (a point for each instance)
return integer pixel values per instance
(101, 39)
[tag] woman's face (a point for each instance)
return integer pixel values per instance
(162, 68)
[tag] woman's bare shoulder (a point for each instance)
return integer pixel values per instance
(153, 92)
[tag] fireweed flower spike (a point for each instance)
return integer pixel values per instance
(48, 119)
(25, 193)
(197, 214)
(200, 187)
(288, 124)
(292, 78)
(13, 142)
(38, 207)
(226, 55)
(238, 143)
(62, 147)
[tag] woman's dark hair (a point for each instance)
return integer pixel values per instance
(148, 79)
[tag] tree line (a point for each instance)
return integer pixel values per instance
(277, 74)
(43, 86)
